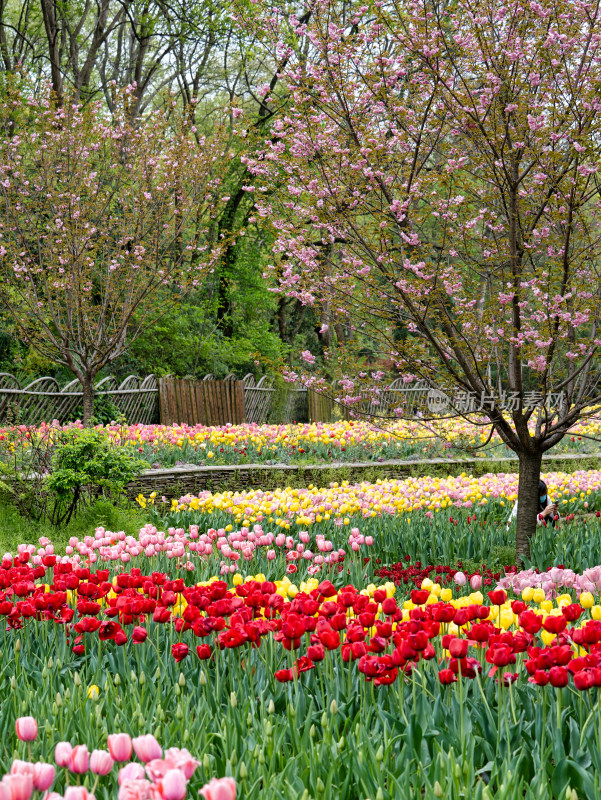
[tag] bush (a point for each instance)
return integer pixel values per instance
(84, 467)
(51, 474)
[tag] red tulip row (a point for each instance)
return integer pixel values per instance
(373, 631)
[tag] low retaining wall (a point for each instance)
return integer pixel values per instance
(178, 481)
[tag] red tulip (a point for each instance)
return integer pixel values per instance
(446, 677)
(179, 651)
(203, 651)
(497, 597)
(139, 634)
(558, 677)
(458, 648)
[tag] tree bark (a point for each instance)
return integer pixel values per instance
(88, 400)
(530, 466)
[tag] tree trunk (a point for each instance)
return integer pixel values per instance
(530, 465)
(88, 400)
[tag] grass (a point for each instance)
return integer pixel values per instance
(15, 529)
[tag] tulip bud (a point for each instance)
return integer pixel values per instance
(319, 786)
(379, 794)
(76, 679)
(243, 772)
(333, 707)
(59, 700)
(18, 646)
(50, 663)
(134, 677)
(181, 680)
(380, 754)
(261, 757)
(437, 789)
(312, 731)
(202, 678)
(179, 712)
(233, 699)
(142, 679)
(206, 762)
(116, 679)
(324, 720)
(291, 710)
(13, 682)
(249, 720)
(271, 707)
(157, 674)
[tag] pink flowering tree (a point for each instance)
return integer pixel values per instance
(103, 227)
(435, 180)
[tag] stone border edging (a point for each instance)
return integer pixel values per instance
(237, 477)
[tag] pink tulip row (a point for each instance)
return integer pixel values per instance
(245, 544)
(156, 776)
(554, 581)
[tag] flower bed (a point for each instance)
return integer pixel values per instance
(312, 443)
(362, 688)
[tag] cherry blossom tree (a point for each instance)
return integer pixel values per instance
(104, 225)
(435, 181)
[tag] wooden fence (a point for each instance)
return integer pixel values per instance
(206, 402)
(44, 400)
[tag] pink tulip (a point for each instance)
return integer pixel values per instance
(19, 767)
(27, 729)
(460, 579)
(78, 793)
(131, 772)
(173, 785)
(120, 746)
(147, 748)
(80, 759)
(134, 790)
(476, 582)
(43, 776)
(101, 762)
(5, 792)
(181, 759)
(19, 786)
(219, 789)
(62, 754)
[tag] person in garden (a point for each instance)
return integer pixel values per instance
(548, 511)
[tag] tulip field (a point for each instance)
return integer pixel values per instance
(314, 443)
(367, 641)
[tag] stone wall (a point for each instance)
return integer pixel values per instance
(179, 481)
